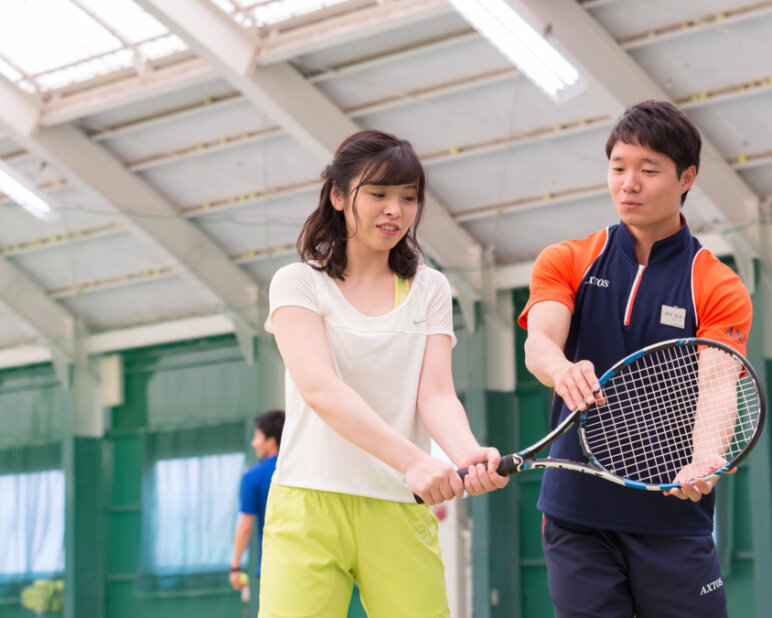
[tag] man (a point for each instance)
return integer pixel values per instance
(613, 551)
(254, 490)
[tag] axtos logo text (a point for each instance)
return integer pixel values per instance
(601, 283)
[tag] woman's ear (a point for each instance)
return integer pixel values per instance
(336, 199)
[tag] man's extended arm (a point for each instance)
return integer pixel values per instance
(240, 543)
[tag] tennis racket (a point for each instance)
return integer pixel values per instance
(675, 411)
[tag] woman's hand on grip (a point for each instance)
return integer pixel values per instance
(482, 477)
(434, 480)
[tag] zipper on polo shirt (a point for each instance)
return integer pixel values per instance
(633, 292)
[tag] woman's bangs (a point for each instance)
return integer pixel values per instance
(395, 166)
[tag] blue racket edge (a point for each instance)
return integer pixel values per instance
(512, 464)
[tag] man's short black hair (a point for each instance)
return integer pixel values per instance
(664, 128)
(271, 423)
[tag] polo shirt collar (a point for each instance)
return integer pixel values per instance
(663, 250)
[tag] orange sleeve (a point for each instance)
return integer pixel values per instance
(723, 305)
(559, 269)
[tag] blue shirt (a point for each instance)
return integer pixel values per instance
(254, 495)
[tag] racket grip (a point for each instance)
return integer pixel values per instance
(508, 465)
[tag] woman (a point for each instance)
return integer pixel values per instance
(366, 334)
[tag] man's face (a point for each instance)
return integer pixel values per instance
(262, 445)
(646, 189)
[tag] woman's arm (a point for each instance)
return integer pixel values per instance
(446, 421)
(302, 341)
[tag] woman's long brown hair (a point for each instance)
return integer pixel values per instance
(379, 158)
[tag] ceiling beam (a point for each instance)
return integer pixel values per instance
(29, 302)
(147, 213)
(298, 107)
(19, 292)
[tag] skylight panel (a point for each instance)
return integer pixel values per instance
(267, 12)
(7, 70)
(82, 40)
(162, 46)
(126, 18)
(115, 61)
(226, 5)
(70, 35)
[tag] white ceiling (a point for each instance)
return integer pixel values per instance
(181, 181)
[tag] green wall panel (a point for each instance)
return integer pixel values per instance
(120, 599)
(14, 610)
(504, 542)
(740, 591)
(33, 458)
(84, 528)
(123, 601)
(187, 385)
(125, 529)
(123, 510)
(33, 406)
(536, 602)
(533, 403)
(741, 529)
(530, 518)
(126, 477)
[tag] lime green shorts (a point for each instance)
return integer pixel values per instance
(317, 543)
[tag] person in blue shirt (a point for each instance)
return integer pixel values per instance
(254, 490)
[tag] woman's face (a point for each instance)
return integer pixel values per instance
(378, 216)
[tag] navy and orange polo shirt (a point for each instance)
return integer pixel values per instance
(618, 307)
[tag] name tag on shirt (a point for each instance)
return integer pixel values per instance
(673, 316)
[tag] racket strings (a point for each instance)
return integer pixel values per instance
(668, 433)
(673, 409)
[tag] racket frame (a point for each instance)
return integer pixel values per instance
(526, 460)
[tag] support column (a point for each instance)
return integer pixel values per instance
(479, 506)
(84, 532)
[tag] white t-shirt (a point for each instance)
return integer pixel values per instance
(380, 358)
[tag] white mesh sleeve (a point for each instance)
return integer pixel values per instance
(292, 285)
(439, 315)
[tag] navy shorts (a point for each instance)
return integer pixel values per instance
(608, 574)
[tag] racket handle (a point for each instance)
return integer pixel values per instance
(508, 465)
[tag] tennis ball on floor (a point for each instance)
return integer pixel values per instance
(243, 578)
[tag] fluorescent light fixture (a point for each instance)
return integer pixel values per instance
(522, 46)
(24, 194)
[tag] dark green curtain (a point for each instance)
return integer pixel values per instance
(34, 407)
